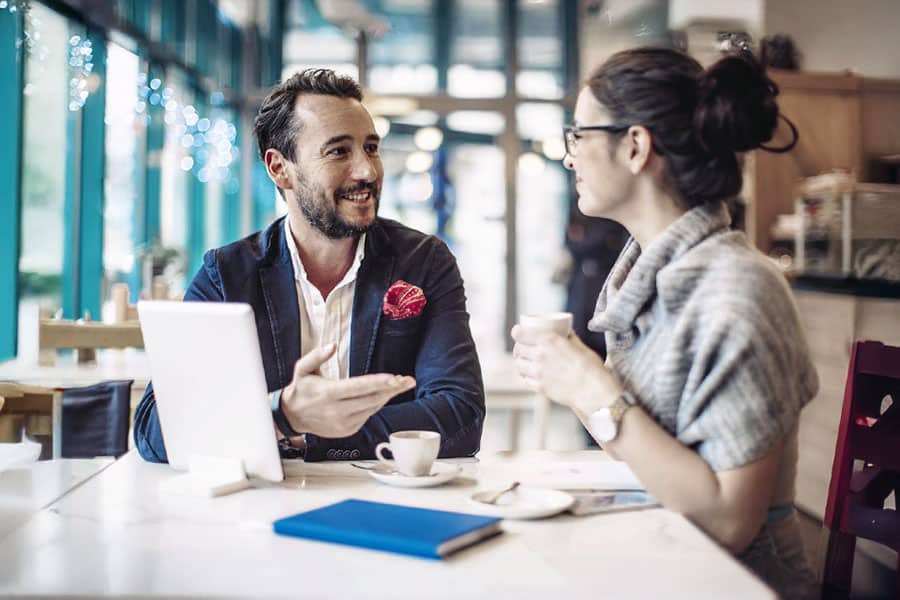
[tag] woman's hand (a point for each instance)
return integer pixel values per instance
(564, 370)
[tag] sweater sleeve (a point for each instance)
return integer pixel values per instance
(750, 377)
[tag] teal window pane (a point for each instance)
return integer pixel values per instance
(477, 121)
(204, 35)
(172, 24)
(540, 46)
(170, 254)
(137, 14)
(11, 67)
(539, 121)
(403, 59)
(44, 152)
(541, 207)
(220, 173)
(540, 127)
(476, 50)
(267, 202)
(478, 238)
(407, 187)
(311, 41)
(123, 190)
(541, 212)
(471, 215)
(237, 43)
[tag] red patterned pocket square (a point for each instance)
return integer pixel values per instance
(403, 300)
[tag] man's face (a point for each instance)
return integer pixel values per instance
(337, 176)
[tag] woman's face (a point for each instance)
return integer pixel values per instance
(602, 180)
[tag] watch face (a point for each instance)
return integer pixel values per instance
(603, 427)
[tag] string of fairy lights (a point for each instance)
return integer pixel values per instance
(206, 145)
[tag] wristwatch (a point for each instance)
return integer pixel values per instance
(279, 417)
(285, 448)
(604, 423)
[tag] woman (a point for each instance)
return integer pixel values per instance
(707, 369)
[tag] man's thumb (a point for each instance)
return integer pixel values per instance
(310, 362)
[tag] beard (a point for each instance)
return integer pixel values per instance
(321, 212)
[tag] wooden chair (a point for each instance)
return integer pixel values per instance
(85, 337)
(29, 410)
(869, 432)
(92, 420)
(96, 420)
(56, 334)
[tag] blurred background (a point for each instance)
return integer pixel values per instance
(127, 152)
(128, 146)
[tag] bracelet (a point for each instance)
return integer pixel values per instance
(279, 417)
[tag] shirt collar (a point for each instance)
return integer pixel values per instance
(300, 271)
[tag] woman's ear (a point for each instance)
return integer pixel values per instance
(639, 144)
(277, 168)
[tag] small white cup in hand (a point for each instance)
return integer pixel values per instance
(414, 451)
(559, 323)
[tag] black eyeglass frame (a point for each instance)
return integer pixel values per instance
(570, 131)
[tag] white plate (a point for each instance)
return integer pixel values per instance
(522, 503)
(440, 473)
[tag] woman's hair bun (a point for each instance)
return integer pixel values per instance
(736, 109)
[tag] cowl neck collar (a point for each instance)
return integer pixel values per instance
(632, 283)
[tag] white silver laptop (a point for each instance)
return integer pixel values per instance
(210, 386)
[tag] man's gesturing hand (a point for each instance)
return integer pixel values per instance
(336, 408)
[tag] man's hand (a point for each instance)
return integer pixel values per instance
(336, 408)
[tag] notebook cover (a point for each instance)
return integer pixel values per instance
(388, 527)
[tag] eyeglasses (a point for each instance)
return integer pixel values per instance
(571, 131)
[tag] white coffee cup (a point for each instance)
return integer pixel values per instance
(559, 323)
(414, 451)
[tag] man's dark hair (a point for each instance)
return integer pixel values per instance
(276, 125)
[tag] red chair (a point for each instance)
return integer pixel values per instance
(869, 432)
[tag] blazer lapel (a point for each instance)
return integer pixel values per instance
(282, 313)
(372, 283)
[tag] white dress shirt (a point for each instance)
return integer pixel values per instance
(326, 320)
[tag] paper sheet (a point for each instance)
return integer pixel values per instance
(583, 475)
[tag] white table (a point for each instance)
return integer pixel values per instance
(25, 490)
(504, 389)
(110, 365)
(116, 536)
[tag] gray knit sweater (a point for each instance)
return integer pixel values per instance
(702, 329)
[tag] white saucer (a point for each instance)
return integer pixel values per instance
(522, 503)
(440, 473)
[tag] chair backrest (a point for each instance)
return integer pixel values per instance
(870, 421)
(95, 420)
(55, 334)
(869, 432)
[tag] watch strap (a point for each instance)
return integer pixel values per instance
(621, 404)
(279, 417)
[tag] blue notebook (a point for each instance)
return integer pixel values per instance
(390, 527)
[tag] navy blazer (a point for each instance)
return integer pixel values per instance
(435, 347)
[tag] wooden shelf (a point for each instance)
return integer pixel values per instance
(845, 122)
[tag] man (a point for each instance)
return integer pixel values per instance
(374, 311)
